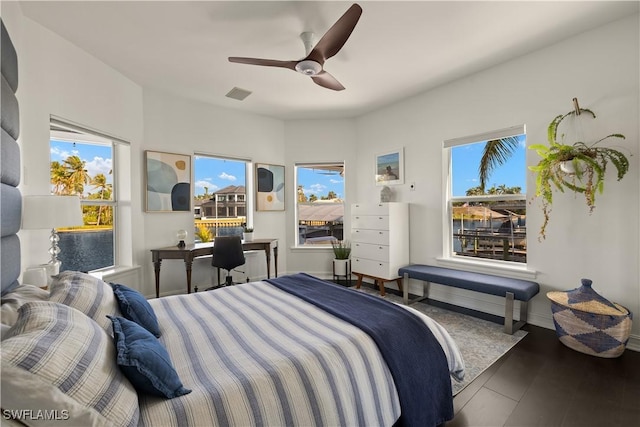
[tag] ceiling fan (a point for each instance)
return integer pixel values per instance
(328, 46)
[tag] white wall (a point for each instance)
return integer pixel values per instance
(57, 78)
(178, 125)
(601, 69)
(317, 141)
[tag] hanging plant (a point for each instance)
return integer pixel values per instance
(579, 167)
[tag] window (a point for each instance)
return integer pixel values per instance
(319, 203)
(220, 196)
(486, 201)
(82, 163)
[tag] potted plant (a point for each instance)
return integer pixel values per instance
(247, 233)
(579, 167)
(341, 253)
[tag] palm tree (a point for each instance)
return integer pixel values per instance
(496, 153)
(475, 191)
(100, 182)
(301, 196)
(78, 175)
(59, 178)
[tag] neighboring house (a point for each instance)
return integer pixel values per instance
(229, 202)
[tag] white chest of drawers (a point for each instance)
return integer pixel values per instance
(380, 241)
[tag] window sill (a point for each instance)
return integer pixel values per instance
(515, 271)
(310, 248)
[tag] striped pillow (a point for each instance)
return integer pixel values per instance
(86, 293)
(66, 349)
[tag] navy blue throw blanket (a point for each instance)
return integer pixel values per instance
(414, 356)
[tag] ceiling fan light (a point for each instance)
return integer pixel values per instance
(308, 67)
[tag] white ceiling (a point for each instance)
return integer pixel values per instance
(397, 49)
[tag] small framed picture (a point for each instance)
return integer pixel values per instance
(390, 168)
(168, 182)
(269, 187)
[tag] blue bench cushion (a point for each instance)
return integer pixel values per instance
(523, 290)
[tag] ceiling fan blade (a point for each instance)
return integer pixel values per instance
(337, 36)
(325, 79)
(264, 62)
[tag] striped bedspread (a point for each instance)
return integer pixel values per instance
(256, 355)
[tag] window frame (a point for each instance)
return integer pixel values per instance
(65, 130)
(296, 222)
(448, 255)
(248, 186)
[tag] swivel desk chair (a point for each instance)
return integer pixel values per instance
(227, 254)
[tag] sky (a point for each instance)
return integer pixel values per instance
(98, 158)
(217, 174)
(465, 160)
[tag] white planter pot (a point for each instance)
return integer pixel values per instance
(247, 237)
(341, 267)
(569, 167)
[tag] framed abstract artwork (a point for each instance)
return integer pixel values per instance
(390, 168)
(269, 187)
(168, 182)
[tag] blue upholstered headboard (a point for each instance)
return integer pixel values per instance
(10, 197)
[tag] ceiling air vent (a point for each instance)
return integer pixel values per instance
(237, 93)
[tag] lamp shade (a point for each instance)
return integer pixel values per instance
(48, 212)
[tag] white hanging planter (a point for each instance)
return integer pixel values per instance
(569, 167)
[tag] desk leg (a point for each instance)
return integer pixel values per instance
(275, 259)
(187, 264)
(267, 254)
(156, 268)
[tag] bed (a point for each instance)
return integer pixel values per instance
(251, 354)
(295, 350)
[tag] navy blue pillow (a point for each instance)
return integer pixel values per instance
(144, 360)
(134, 306)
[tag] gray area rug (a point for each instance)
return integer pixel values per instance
(481, 342)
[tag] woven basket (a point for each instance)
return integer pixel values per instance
(589, 323)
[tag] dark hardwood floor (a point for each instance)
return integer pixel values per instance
(541, 382)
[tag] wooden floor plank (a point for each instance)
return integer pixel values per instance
(541, 382)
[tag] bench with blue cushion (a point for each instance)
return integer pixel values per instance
(511, 289)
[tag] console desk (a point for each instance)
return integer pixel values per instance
(189, 252)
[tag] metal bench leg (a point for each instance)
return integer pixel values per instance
(509, 326)
(405, 291)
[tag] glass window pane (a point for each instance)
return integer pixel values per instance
(90, 247)
(219, 197)
(320, 203)
(80, 165)
(81, 168)
(489, 222)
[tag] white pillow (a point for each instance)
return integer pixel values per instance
(70, 352)
(25, 395)
(13, 300)
(86, 293)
